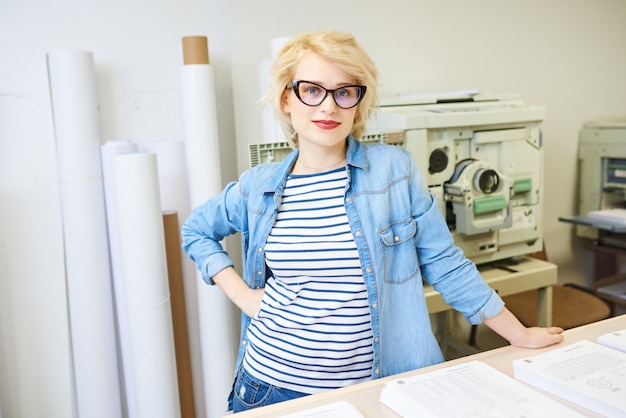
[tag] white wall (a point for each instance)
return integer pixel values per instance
(565, 54)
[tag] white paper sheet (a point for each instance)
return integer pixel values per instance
(472, 389)
(615, 340)
(586, 373)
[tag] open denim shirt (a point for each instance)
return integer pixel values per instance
(402, 239)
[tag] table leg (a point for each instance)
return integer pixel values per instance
(544, 306)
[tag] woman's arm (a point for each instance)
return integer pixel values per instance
(231, 283)
(510, 328)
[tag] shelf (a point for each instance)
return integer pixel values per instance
(594, 223)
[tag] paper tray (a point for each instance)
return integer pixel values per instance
(594, 223)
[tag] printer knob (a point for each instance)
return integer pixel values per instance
(438, 161)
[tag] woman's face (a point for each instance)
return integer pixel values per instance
(325, 125)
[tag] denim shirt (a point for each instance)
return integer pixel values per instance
(402, 239)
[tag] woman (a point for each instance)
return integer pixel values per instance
(338, 240)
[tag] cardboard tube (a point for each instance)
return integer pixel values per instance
(179, 315)
(195, 50)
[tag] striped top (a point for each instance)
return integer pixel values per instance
(313, 332)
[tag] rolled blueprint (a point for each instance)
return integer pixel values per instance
(107, 151)
(144, 270)
(91, 315)
(218, 329)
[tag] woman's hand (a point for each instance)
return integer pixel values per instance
(537, 337)
(231, 283)
(509, 327)
(250, 301)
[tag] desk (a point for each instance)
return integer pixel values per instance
(365, 396)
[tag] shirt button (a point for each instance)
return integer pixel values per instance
(368, 270)
(348, 200)
(376, 339)
(260, 249)
(374, 305)
(259, 273)
(377, 371)
(358, 233)
(396, 238)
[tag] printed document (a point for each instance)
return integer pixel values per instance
(472, 389)
(586, 373)
(615, 340)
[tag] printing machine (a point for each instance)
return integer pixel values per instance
(602, 182)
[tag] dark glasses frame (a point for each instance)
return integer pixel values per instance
(295, 85)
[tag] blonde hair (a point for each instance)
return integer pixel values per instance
(341, 49)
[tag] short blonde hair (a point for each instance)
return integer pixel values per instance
(341, 49)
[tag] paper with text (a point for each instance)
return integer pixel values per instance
(472, 389)
(586, 373)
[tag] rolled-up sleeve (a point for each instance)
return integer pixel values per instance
(207, 226)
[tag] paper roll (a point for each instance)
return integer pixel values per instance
(144, 269)
(204, 174)
(92, 323)
(174, 189)
(201, 133)
(172, 175)
(272, 131)
(107, 152)
(179, 313)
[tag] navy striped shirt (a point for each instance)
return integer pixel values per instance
(313, 332)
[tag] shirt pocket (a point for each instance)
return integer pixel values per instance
(398, 249)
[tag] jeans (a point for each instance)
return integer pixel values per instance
(250, 392)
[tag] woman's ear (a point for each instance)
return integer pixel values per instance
(284, 103)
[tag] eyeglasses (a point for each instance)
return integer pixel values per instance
(312, 94)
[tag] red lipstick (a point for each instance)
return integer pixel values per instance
(326, 124)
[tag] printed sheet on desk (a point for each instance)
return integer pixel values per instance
(472, 389)
(586, 373)
(615, 340)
